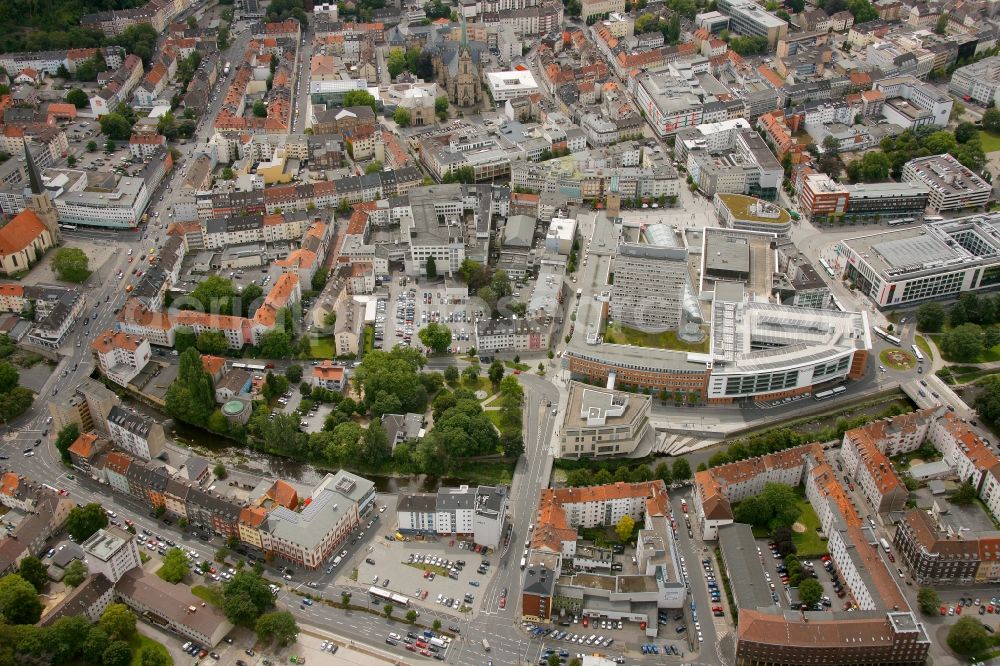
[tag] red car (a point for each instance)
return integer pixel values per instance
(426, 574)
(503, 602)
(989, 609)
(944, 610)
(410, 647)
(426, 653)
(958, 610)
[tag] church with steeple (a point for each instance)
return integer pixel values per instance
(457, 71)
(39, 202)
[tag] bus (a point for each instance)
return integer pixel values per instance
(835, 391)
(385, 595)
(916, 352)
(902, 220)
(885, 335)
(933, 218)
(826, 267)
(885, 545)
(225, 70)
(250, 366)
(836, 304)
(68, 227)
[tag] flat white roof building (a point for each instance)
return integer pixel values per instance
(953, 186)
(560, 236)
(510, 84)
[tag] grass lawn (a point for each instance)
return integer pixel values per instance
(925, 347)
(622, 335)
(482, 384)
(137, 643)
(494, 416)
(990, 141)
(209, 594)
(808, 544)
(897, 359)
(523, 367)
(321, 348)
(989, 355)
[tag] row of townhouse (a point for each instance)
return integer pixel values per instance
(157, 13)
(50, 141)
(118, 88)
(49, 62)
(226, 201)
(161, 71)
(160, 327)
(273, 520)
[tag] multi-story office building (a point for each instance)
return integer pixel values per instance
(649, 286)
(113, 552)
(952, 185)
(912, 103)
(931, 261)
(745, 166)
(513, 335)
(748, 18)
(979, 82)
(602, 423)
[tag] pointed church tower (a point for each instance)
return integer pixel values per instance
(39, 203)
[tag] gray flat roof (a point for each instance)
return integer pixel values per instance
(746, 573)
(727, 253)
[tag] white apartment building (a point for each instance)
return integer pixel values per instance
(478, 513)
(136, 434)
(120, 209)
(113, 552)
(510, 84)
(121, 356)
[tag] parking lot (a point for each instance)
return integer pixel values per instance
(410, 306)
(426, 581)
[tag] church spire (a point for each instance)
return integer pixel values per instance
(34, 178)
(465, 33)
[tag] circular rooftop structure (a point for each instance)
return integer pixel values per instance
(233, 407)
(739, 211)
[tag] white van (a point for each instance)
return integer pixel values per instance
(486, 645)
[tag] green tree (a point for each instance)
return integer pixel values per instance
(431, 268)
(32, 570)
(402, 117)
(388, 609)
(116, 127)
(411, 616)
(360, 98)
(77, 98)
(212, 342)
(19, 602)
(451, 374)
(175, 566)
(968, 637)
(191, 397)
(154, 654)
(991, 120)
(345, 598)
(810, 592)
(930, 317)
(373, 167)
(260, 109)
(76, 573)
(246, 587)
(319, 278)
(67, 435)
(220, 471)
(71, 264)
(91, 146)
(964, 494)
(118, 653)
(553, 660)
(436, 337)
(663, 473)
(9, 378)
(279, 626)
(681, 469)
(215, 294)
(276, 344)
(375, 448)
(496, 372)
(966, 132)
(625, 527)
(929, 600)
(118, 622)
(84, 521)
(67, 637)
(964, 343)
(294, 373)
